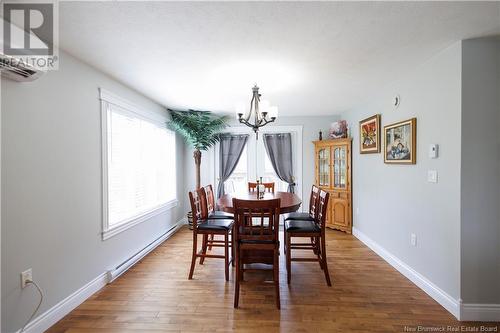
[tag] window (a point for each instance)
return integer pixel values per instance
(255, 163)
(139, 174)
(252, 169)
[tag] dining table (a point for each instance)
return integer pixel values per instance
(290, 202)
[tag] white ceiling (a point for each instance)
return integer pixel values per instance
(316, 58)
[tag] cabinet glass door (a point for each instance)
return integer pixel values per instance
(324, 167)
(340, 167)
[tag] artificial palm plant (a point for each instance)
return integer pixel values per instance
(200, 129)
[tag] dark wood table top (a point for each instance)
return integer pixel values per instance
(290, 202)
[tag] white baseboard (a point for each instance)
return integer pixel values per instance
(439, 295)
(480, 312)
(122, 268)
(53, 315)
(44, 321)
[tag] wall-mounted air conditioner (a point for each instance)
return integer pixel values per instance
(17, 70)
(16, 67)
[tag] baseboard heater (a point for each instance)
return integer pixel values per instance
(124, 266)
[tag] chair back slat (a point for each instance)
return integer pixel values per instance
(324, 196)
(268, 187)
(209, 194)
(313, 201)
(256, 220)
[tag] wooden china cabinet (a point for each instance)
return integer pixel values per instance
(333, 174)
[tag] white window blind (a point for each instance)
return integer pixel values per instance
(141, 173)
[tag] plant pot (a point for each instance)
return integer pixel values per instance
(190, 220)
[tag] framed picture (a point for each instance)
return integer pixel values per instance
(369, 135)
(400, 142)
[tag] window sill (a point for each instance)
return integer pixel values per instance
(106, 234)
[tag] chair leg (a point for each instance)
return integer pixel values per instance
(276, 271)
(204, 248)
(242, 271)
(237, 281)
(226, 255)
(211, 238)
(288, 258)
(323, 257)
(233, 253)
(317, 251)
(314, 241)
(284, 240)
(193, 258)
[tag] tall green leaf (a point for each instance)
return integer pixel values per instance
(200, 129)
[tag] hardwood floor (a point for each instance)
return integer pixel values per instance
(367, 295)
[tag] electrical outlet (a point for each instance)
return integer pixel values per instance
(357, 210)
(413, 240)
(26, 276)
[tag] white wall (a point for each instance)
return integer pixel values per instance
(480, 231)
(396, 200)
(311, 127)
(0, 201)
(51, 186)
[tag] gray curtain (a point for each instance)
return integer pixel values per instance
(279, 150)
(230, 149)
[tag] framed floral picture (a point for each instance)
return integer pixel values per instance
(369, 135)
(400, 142)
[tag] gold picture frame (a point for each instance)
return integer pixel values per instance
(400, 142)
(369, 135)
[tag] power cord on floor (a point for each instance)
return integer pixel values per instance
(37, 307)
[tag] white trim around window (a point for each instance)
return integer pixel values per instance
(108, 101)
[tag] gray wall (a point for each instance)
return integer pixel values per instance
(392, 201)
(480, 190)
(311, 127)
(51, 186)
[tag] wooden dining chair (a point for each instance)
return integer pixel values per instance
(212, 214)
(311, 229)
(268, 187)
(313, 205)
(202, 225)
(211, 211)
(306, 216)
(256, 239)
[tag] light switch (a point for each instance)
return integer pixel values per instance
(433, 150)
(413, 239)
(432, 176)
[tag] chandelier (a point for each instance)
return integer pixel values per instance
(261, 112)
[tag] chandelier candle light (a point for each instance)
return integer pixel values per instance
(262, 112)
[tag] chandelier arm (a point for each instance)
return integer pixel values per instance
(245, 122)
(269, 121)
(251, 108)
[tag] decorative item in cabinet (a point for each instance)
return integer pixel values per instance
(333, 174)
(339, 129)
